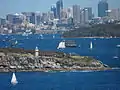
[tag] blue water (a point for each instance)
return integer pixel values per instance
(103, 49)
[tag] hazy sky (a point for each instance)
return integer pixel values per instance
(14, 6)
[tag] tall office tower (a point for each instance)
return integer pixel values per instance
(59, 7)
(44, 17)
(38, 18)
(86, 16)
(70, 12)
(64, 14)
(90, 16)
(53, 9)
(51, 15)
(102, 8)
(76, 14)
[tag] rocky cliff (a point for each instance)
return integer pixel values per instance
(28, 62)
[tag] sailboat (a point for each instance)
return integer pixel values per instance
(91, 45)
(53, 36)
(16, 42)
(61, 45)
(41, 36)
(14, 80)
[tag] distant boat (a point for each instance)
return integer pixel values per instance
(53, 36)
(16, 42)
(25, 34)
(118, 46)
(61, 45)
(14, 80)
(115, 57)
(91, 45)
(41, 36)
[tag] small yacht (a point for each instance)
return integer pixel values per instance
(115, 57)
(118, 46)
(14, 79)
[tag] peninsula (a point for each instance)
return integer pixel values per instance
(100, 30)
(12, 59)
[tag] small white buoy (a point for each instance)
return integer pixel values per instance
(14, 79)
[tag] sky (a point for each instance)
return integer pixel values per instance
(16, 6)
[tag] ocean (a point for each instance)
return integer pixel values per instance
(104, 49)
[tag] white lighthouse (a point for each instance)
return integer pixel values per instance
(36, 51)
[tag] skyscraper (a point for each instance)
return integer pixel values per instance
(89, 12)
(59, 7)
(76, 14)
(53, 9)
(102, 8)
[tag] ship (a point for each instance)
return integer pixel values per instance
(70, 43)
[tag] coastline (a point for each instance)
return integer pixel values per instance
(62, 70)
(93, 37)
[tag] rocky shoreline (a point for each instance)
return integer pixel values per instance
(25, 62)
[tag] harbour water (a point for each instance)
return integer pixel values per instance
(104, 49)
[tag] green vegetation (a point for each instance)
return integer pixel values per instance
(103, 30)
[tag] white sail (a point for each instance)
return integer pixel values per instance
(16, 42)
(14, 80)
(61, 45)
(91, 45)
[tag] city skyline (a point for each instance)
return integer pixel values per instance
(42, 6)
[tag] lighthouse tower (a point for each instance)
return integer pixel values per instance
(36, 51)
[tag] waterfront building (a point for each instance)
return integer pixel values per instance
(59, 7)
(76, 14)
(102, 8)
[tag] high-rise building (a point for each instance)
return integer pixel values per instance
(51, 15)
(45, 17)
(53, 9)
(86, 15)
(59, 7)
(89, 12)
(76, 14)
(102, 8)
(70, 12)
(30, 17)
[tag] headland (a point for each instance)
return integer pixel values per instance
(20, 60)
